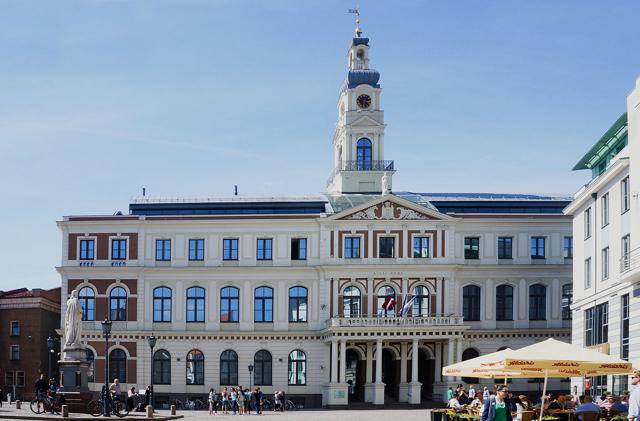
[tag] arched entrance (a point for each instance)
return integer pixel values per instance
(426, 374)
(355, 375)
(390, 374)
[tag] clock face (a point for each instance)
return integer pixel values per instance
(364, 101)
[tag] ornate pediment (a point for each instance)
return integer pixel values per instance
(388, 210)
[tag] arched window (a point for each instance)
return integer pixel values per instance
(118, 304)
(387, 301)
(161, 367)
(421, 301)
(297, 304)
(118, 365)
(229, 368)
(567, 299)
(262, 368)
(297, 368)
(87, 299)
(537, 302)
(195, 304)
(263, 305)
(162, 304)
(229, 305)
(364, 154)
(471, 302)
(468, 354)
(351, 302)
(504, 302)
(195, 367)
(91, 359)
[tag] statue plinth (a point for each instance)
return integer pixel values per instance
(74, 369)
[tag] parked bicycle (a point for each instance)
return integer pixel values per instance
(45, 403)
(114, 406)
(289, 405)
(189, 404)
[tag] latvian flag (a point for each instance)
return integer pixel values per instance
(389, 303)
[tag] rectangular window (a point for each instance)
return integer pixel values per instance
(230, 249)
(597, 324)
(15, 328)
(421, 247)
(118, 249)
(537, 247)
(8, 378)
(298, 249)
(352, 247)
(471, 247)
(14, 352)
(387, 247)
(163, 250)
(568, 247)
(624, 327)
(265, 247)
(605, 263)
(87, 248)
(587, 273)
(624, 192)
(20, 378)
(625, 251)
(604, 209)
(587, 223)
(196, 249)
(505, 247)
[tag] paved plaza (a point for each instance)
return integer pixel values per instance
(324, 415)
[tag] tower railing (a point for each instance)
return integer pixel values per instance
(362, 165)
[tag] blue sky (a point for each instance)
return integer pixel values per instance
(99, 98)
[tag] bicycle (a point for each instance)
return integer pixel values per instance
(289, 405)
(114, 406)
(267, 404)
(44, 403)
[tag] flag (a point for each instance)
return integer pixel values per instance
(386, 302)
(408, 303)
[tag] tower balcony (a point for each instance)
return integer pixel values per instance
(362, 165)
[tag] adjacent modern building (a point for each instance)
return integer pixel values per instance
(28, 318)
(606, 232)
(359, 294)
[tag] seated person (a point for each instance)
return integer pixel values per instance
(526, 403)
(619, 406)
(607, 403)
(587, 406)
(454, 403)
(478, 401)
(130, 398)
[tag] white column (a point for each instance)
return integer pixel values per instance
(369, 363)
(414, 361)
(458, 350)
(403, 362)
(450, 352)
(379, 361)
(334, 360)
(343, 361)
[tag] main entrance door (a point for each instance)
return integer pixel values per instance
(355, 376)
(390, 375)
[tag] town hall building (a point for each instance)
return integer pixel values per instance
(360, 294)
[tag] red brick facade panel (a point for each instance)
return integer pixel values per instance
(102, 245)
(101, 308)
(133, 245)
(132, 309)
(131, 348)
(131, 371)
(132, 284)
(73, 246)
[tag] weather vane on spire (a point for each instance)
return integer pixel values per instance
(356, 12)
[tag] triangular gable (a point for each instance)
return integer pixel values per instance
(365, 121)
(390, 207)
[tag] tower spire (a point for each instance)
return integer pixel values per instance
(356, 12)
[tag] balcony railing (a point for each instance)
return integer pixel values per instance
(630, 260)
(428, 321)
(362, 165)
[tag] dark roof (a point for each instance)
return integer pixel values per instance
(361, 41)
(50, 294)
(362, 77)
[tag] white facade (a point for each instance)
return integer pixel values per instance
(605, 273)
(447, 254)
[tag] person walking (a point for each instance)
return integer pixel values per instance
(225, 401)
(449, 393)
(259, 401)
(212, 400)
(495, 408)
(240, 400)
(234, 401)
(634, 399)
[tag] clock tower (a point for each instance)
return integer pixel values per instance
(358, 141)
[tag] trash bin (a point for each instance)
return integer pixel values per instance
(436, 415)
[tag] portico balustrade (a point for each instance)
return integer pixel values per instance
(420, 321)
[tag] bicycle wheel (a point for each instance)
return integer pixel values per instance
(120, 409)
(37, 406)
(95, 408)
(289, 406)
(55, 406)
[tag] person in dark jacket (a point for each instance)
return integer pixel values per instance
(496, 408)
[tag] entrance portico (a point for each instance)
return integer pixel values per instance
(399, 357)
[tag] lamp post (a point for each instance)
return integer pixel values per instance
(106, 331)
(50, 345)
(152, 343)
(250, 377)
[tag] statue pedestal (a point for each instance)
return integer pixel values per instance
(74, 386)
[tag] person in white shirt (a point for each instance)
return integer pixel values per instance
(634, 399)
(472, 392)
(454, 403)
(486, 393)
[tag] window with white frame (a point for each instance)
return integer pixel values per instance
(587, 273)
(605, 263)
(624, 327)
(386, 247)
(352, 247)
(87, 249)
(604, 209)
(624, 193)
(626, 250)
(587, 223)
(118, 249)
(568, 247)
(421, 247)
(15, 328)
(14, 352)
(20, 378)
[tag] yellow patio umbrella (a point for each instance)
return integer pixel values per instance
(475, 367)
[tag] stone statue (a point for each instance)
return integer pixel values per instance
(386, 183)
(73, 323)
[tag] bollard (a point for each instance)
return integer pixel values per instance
(149, 411)
(65, 411)
(18, 404)
(173, 409)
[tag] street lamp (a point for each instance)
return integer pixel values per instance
(106, 331)
(250, 377)
(50, 345)
(152, 343)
